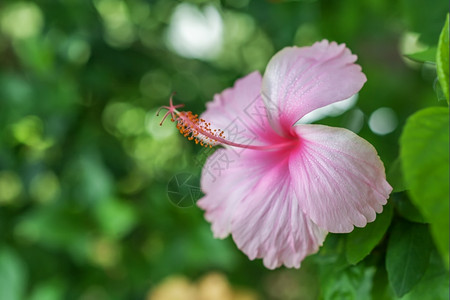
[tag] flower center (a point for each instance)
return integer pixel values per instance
(193, 128)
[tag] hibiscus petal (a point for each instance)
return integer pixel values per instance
(339, 178)
(251, 196)
(300, 80)
(223, 187)
(240, 112)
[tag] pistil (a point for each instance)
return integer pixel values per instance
(199, 130)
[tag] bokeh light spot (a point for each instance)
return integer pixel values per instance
(105, 252)
(44, 187)
(157, 131)
(194, 33)
(119, 30)
(131, 122)
(238, 28)
(78, 51)
(355, 120)
(409, 44)
(123, 119)
(22, 20)
(215, 286)
(10, 187)
(28, 130)
(174, 287)
(111, 115)
(383, 121)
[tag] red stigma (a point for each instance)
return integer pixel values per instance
(171, 109)
(191, 127)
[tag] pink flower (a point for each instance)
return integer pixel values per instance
(277, 186)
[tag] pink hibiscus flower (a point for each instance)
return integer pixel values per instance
(278, 186)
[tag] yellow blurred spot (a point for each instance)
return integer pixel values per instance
(21, 20)
(44, 187)
(105, 253)
(214, 286)
(174, 288)
(10, 187)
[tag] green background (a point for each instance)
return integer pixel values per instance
(85, 167)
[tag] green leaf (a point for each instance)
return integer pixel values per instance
(13, 276)
(428, 55)
(406, 209)
(395, 177)
(442, 59)
(381, 289)
(361, 241)
(408, 255)
(434, 284)
(439, 91)
(352, 283)
(424, 149)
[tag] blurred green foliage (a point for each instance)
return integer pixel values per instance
(84, 164)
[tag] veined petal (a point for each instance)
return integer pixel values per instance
(251, 196)
(223, 186)
(300, 80)
(240, 112)
(339, 178)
